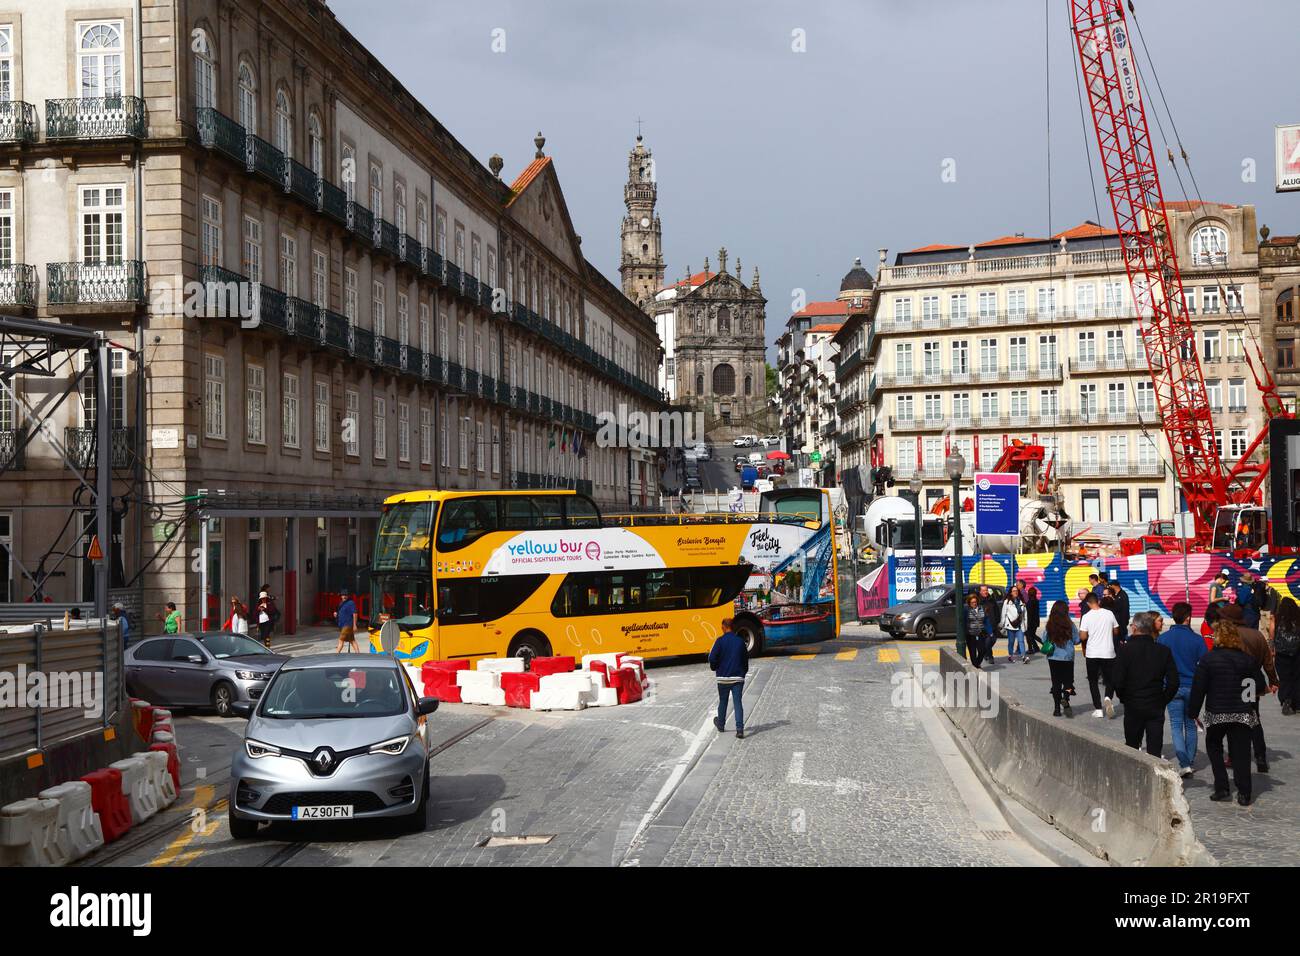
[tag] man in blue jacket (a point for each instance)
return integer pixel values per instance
(347, 619)
(729, 660)
(1188, 648)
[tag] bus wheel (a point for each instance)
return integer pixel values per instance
(751, 632)
(529, 644)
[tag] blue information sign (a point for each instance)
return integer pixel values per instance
(997, 503)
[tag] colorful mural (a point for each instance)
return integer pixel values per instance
(1154, 582)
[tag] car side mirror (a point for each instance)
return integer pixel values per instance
(426, 705)
(241, 708)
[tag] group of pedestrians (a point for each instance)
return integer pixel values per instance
(1016, 616)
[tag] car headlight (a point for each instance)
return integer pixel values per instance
(254, 675)
(904, 618)
(256, 749)
(392, 747)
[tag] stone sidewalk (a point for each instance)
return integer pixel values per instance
(1263, 834)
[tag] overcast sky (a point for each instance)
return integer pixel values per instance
(799, 161)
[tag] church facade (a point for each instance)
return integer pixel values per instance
(711, 325)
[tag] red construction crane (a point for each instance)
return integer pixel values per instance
(1223, 500)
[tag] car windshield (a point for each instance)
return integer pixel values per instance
(933, 593)
(315, 693)
(232, 645)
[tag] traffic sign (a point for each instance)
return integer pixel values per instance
(95, 552)
(997, 503)
(1287, 164)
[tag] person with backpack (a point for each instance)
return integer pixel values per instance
(1228, 682)
(1062, 636)
(1286, 651)
(267, 614)
(1013, 624)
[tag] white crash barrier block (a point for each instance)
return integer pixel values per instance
(501, 665)
(485, 679)
(581, 681)
(136, 786)
(162, 737)
(417, 678)
(637, 662)
(161, 716)
(482, 694)
(79, 827)
(558, 697)
(29, 833)
(610, 660)
(606, 697)
(160, 779)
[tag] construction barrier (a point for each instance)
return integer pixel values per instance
(29, 834)
(173, 760)
(137, 786)
(142, 717)
(109, 802)
(543, 683)
(160, 781)
(79, 828)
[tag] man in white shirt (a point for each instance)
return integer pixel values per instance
(1099, 630)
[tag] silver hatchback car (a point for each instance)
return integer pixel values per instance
(334, 737)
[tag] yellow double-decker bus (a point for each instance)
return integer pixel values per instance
(472, 574)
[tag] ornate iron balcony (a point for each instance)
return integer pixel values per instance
(386, 238)
(300, 181)
(18, 123)
(13, 456)
(218, 131)
(332, 200)
(80, 444)
(82, 283)
(361, 221)
(96, 117)
(264, 159)
(18, 285)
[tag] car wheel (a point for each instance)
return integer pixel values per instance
(528, 645)
(223, 695)
(241, 829)
(751, 632)
(926, 631)
(417, 821)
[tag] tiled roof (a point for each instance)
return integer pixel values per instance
(1008, 241)
(1188, 205)
(531, 172)
(834, 307)
(695, 281)
(1085, 230)
(827, 327)
(937, 247)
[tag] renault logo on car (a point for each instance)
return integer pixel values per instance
(323, 760)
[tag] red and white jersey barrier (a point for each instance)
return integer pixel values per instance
(544, 683)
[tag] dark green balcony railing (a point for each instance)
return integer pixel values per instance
(408, 358)
(388, 352)
(273, 308)
(336, 330)
(361, 343)
(264, 159)
(455, 375)
(18, 123)
(18, 285)
(13, 455)
(361, 221)
(469, 287)
(485, 295)
(471, 381)
(79, 443)
(411, 252)
(332, 201)
(300, 181)
(302, 319)
(434, 266)
(96, 117)
(218, 131)
(386, 238)
(83, 283)
(453, 275)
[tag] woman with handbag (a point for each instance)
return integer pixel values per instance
(1061, 638)
(1013, 624)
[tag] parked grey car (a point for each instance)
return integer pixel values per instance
(335, 737)
(212, 669)
(929, 615)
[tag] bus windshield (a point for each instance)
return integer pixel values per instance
(404, 537)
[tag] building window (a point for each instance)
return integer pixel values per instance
(289, 407)
(1088, 400)
(210, 232)
(99, 58)
(990, 405)
(376, 190)
(350, 295)
(102, 210)
(1047, 303)
(348, 172)
(1116, 399)
(426, 436)
(426, 330)
(440, 233)
(1018, 353)
(283, 124)
(988, 305)
(1148, 505)
(496, 450)
(903, 312)
(255, 405)
(321, 416)
(1017, 303)
(1212, 345)
(289, 266)
(247, 98)
(988, 356)
(480, 453)
(252, 257)
(315, 145)
(1119, 505)
(352, 422)
(1146, 399)
(214, 396)
(205, 74)
(1085, 300)
(422, 222)
(403, 318)
(443, 451)
(381, 438)
(1237, 443)
(462, 435)
(403, 432)
(1209, 245)
(1088, 347)
(1091, 499)
(378, 321)
(319, 279)
(958, 308)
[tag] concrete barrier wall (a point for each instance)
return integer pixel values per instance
(1120, 804)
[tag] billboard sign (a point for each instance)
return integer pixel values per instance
(1287, 162)
(997, 503)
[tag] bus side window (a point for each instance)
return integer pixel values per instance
(550, 512)
(520, 513)
(668, 589)
(581, 512)
(464, 520)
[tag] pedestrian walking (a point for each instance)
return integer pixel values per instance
(1013, 623)
(1218, 589)
(992, 619)
(1256, 645)
(347, 621)
(974, 629)
(1228, 683)
(1032, 600)
(1116, 602)
(267, 614)
(1146, 680)
(1097, 585)
(1099, 630)
(237, 621)
(1286, 650)
(172, 621)
(118, 613)
(1081, 602)
(1188, 648)
(1248, 596)
(1207, 625)
(729, 661)
(1062, 636)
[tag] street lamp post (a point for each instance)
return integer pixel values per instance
(917, 484)
(954, 466)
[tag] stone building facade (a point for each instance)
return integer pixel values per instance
(377, 309)
(1279, 310)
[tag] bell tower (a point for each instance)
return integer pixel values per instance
(642, 262)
